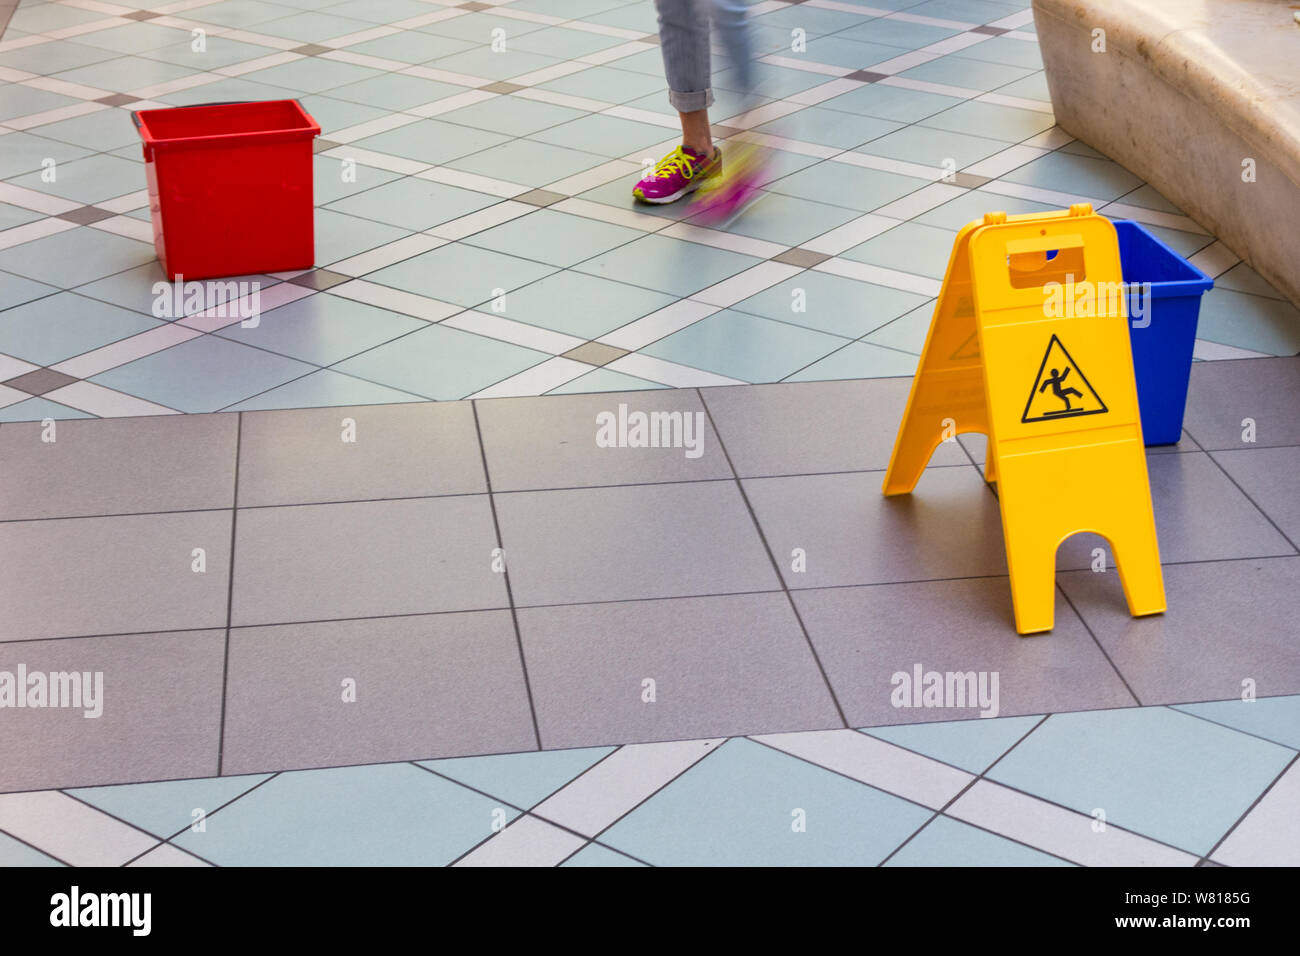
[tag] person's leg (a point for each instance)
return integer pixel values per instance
(684, 44)
(730, 23)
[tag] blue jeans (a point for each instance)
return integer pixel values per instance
(684, 42)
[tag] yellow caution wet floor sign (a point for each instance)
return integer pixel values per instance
(1053, 389)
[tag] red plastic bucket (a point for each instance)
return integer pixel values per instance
(230, 187)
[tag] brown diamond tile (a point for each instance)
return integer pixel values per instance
(474, 5)
(804, 258)
(540, 197)
(968, 180)
(118, 99)
(85, 215)
(651, 38)
(40, 381)
(319, 145)
(593, 353)
(141, 15)
(866, 76)
(501, 86)
(990, 31)
(319, 279)
(311, 49)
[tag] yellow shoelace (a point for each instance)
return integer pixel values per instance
(678, 161)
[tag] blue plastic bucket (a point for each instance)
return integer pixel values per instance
(1163, 338)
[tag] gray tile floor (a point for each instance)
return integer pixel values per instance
(483, 577)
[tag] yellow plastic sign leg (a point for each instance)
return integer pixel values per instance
(1059, 399)
(947, 396)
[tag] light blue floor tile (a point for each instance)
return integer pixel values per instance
(27, 152)
(1076, 175)
(851, 53)
(556, 238)
(15, 290)
(568, 9)
(135, 37)
(1273, 718)
(340, 237)
(852, 187)
(1004, 50)
(336, 112)
(582, 305)
(105, 129)
(511, 115)
(395, 91)
(233, 89)
(769, 81)
(202, 374)
(432, 141)
(969, 744)
(383, 815)
(604, 380)
(1079, 148)
(477, 27)
(786, 220)
(60, 326)
(484, 62)
(522, 780)
(164, 809)
(610, 136)
(16, 853)
(564, 43)
(966, 73)
(1164, 774)
(1032, 87)
(906, 333)
(38, 409)
(812, 20)
(1008, 123)
(858, 360)
(75, 256)
(25, 100)
(966, 11)
(1146, 195)
(1186, 244)
(219, 53)
(738, 807)
(126, 73)
(133, 289)
(333, 181)
(459, 273)
(949, 842)
(324, 389)
(955, 213)
(413, 203)
(379, 11)
(831, 303)
(1242, 278)
(898, 33)
(312, 27)
(411, 46)
(891, 103)
(42, 18)
(323, 329)
(1249, 322)
(245, 13)
(744, 347)
(829, 127)
(528, 163)
(674, 266)
(442, 363)
(930, 147)
(53, 56)
(593, 854)
(909, 247)
(607, 83)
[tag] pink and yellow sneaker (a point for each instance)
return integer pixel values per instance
(680, 172)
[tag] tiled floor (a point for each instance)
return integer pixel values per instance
(669, 655)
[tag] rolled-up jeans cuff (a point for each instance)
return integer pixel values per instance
(690, 102)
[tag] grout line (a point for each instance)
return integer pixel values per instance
(514, 613)
(230, 596)
(776, 568)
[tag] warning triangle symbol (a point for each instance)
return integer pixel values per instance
(1061, 390)
(969, 349)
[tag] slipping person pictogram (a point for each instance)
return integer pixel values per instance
(1066, 385)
